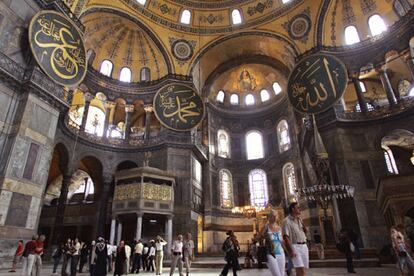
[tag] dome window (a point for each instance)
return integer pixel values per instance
(220, 96)
(351, 35)
(285, 1)
(142, 2)
(362, 86)
(254, 145)
(276, 88)
(264, 95)
(236, 17)
(185, 17)
(106, 68)
(145, 74)
(234, 99)
(125, 75)
(411, 93)
(376, 25)
(249, 100)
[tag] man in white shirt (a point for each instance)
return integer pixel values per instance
(177, 255)
(111, 250)
(159, 254)
(188, 252)
(128, 257)
(137, 256)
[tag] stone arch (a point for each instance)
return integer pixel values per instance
(126, 164)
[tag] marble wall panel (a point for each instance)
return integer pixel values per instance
(5, 100)
(33, 213)
(20, 150)
(43, 164)
(5, 198)
(18, 210)
(31, 161)
(42, 121)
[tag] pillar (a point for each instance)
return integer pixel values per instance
(112, 233)
(387, 86)
(410, 63)
(138, 232)
(88, 99)
(168, 232)
(148, 110)
(60, 210)
(108, 107)
(360, 95)
(129, 108)
(103, 204)
(119, 232)
(85, 195)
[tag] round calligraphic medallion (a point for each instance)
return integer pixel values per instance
(178, 107)
(58, 47)
(317, 83)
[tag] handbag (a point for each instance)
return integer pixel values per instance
(352, 247)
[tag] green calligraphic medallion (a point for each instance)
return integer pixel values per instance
(317, 83)
(178, 107)
(58, 47)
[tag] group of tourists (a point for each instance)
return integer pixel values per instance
(30, 255)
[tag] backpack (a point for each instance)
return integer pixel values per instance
(227, 244)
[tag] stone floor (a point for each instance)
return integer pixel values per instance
(378, 271)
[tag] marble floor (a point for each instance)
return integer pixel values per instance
(379, 271)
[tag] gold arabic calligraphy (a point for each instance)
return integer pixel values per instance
(67, 56)
(311, 88)
(180, 106)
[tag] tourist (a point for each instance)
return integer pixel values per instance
(101, 257)
(17, 255)
(405, 261)
(151, 256)
(318, 245)
(145, 253)
(75, 252)
(38, 255)
(159, 254)
(347, 247)
(83, 256)
(128, 257)
(188, 252)
(294, 235)
(92, 258)
(56, 256)
(177, 255)
(272, 233)
(231, 247)
(67, 256)
(136, 265)
(120, 258)
(29, 256)
(355, 241)
(111, 251)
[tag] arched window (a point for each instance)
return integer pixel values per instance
(285, 1)
(125, 75)
(258, 188)
(95, 121)
(86, 188)
(264, 95)
(351, 35)
(249, 100)
(236, 17)
(185, 17)
(226, 189)
(220, 96)
(390, 161)
(376, 25)
(145, 74)
(369, 105)
(277, 88)
(223, 144)
(106, 68)
(254, 145)
(411, 92)
(362, 86)
(289, 180)
(234, 99)
(283, 136)
(401, 7)
(142, 2)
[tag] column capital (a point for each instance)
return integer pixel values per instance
(107, 177)
(354, 75)
(148, 108)
(109, 104)
(88, 97)
(140, 214)
(170, 216)
(129, 108)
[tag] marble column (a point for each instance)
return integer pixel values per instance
(88, 98)
(387, 86)
(360, 95)
(119, 232)
(148, 114)
(60, 210)
(129, 108)
(410, 63)
(112, 233)
(138, 233)
(86, 190)
(168, 232)
(108, 107)
(103, 203)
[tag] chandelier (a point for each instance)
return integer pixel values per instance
(248, 211)
(323, 194)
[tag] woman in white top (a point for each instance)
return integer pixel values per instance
(159, 254)
(405, 261)
(151, 256)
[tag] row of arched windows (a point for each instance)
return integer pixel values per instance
(249, 99)
(258, 187)
(254, 142)
(376, 26)
(125, 74)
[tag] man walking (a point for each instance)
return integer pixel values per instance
(188, 252)
(177, 255)
(139, 247)
(294, 235)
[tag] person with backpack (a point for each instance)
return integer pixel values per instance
(231, 247)
(56, 256)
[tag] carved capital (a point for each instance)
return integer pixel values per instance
(109, 104)
(107, 178)
(148, 108)
(88, 97)
(129, 108)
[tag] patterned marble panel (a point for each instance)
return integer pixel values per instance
(18, 210)
(37, 119)
(19, 154)
(33, 213)
(5, 197)
(42, 169)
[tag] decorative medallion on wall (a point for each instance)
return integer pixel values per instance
(182, 49)
(348, 16)
(404, 87)
(58, 48)
(368, 6)
(260, 7)
(211, 18)
(178, 107)
(299, 26)
(164, 8)
(317, 83)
